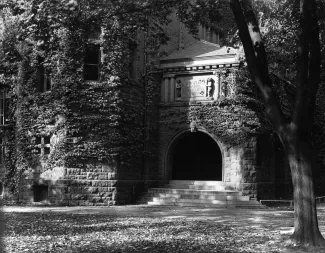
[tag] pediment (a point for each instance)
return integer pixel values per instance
(199, 54)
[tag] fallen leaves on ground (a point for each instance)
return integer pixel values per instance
(55, 232)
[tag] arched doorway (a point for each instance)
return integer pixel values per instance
(196, 156)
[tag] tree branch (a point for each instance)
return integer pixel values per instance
(256, 59)
(300, 109)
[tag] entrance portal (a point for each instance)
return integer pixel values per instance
(196, 156)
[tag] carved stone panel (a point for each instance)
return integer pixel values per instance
(189, 88)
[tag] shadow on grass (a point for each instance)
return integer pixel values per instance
(94, 233)
(38, 223)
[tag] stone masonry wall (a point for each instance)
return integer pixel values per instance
(98, 185)
(240, 171)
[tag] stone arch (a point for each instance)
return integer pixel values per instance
(176, 142)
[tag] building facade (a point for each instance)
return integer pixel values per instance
(81, 145)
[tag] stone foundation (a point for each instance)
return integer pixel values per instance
(84, 192)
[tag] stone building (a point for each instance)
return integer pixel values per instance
(207, 129)
(207, 134)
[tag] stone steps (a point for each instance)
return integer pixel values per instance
(225, 204)
(191, 191)
(191, 182)
(197, 194)
(196, 187)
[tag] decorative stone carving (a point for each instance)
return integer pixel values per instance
(178, 89)
(189, 88)
(193, 127)
(201, 87)
(224, 89)
(210, 87)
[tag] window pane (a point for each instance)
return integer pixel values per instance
(46, 150)
(92, 55)
(91, 72)
(95, 34)
(1, 103)
(47, 140)
(40, 79)
(47, 83)
(38, 140)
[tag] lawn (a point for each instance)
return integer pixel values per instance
(107, 232)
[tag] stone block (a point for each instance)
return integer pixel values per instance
(103, 189)
(252, 186)
(113, 183)
(103, 176)
(230, 186)
(95, 199)
(107, 199)
(91, 190)
(75, 190)
(246, 175)
(78, 196)
(107, 194)
(92, 176)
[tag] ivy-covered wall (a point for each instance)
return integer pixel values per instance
(81, 142)
(102, 142)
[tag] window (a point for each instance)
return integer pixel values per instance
(2, 107)
(92, 63)
(1, 188)
(92, 57)
(42, 145)
(95, 34)
(2, 151)
(44, 81)
(40, 192)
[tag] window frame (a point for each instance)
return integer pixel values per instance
(97, 65)
(41, 145)
(2, 107)
(44, 81)
(94, 40)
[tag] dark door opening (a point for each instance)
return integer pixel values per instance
(40, 193)
(196, 156)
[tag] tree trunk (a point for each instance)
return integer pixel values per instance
(300, 157)
(295, 136)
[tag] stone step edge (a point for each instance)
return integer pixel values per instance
(228, 198)
(202, 197)
(252, 206)
(169, 186)
(195, 182)
(157, 199)
(192, 191)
